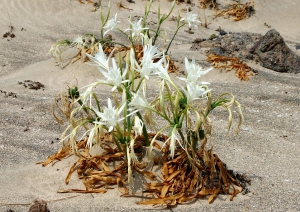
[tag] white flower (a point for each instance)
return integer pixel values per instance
(113, 75)
(194, 72)
(110, 115)
(194, 91)
(162, 69)
(191, 19)
(111, 24)
(100, 59)
(139, 101)
(147, 66)
(150, 52)
(136, 29)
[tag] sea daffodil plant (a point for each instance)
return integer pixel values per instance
(182, 105)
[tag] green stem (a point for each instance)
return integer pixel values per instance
(174, 37)
(117, 143)
(181, 134)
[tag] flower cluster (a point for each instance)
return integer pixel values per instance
(129, 110)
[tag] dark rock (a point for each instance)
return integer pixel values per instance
(217, 51)
(223, 32)
(274, 54)
(39, 206)
(230, 45)
(297, 46)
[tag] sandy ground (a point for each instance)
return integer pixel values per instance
(267, 148)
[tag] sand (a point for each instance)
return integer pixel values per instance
(267, 148)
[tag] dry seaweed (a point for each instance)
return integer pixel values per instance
(120, 5)
(242, 70)
(96, 5)
(182, 179)
(208, 4)
(238, 11)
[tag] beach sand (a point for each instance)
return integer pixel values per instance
(266, 149)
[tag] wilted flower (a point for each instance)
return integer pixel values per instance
(173, 138)
(132, 154)
(138, 126)
(94, 136)
(110, 115)
(88, 93)
(191, 19)
(111, 24)
(78, 41)
(129, 169)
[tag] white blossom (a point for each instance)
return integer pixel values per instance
(194, 91)
(194, 72)
(136, 29)
(191, 19)
(109, 116)
(139, 101)
(100, 59)
(113, 75)
(147, 66)
(111, 24)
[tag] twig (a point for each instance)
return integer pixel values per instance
(55, 200)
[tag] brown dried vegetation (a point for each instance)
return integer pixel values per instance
(120, 5)
(175, 183)
(238, 11)
(208, 4)
(242, 70)
(96, 5)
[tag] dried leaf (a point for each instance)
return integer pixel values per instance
(242, 70)
(148, 174)
(239, 11)
(62, 153)
(70, 172)
(158, 201)
(164, 190)
(101, 191)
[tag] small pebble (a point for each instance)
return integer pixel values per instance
(222, 32)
